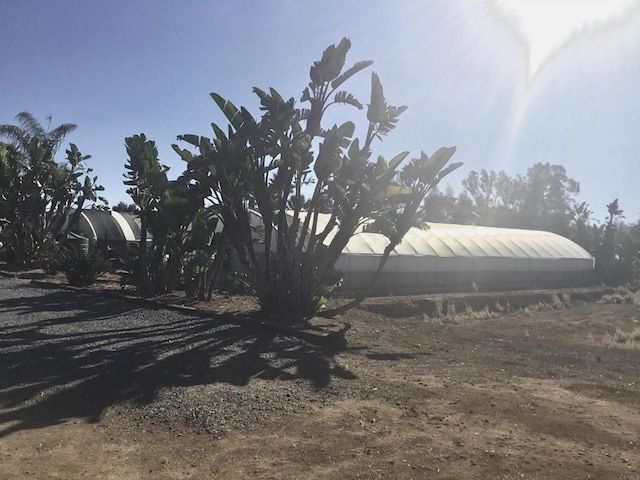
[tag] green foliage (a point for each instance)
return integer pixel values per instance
(29, 128)
(208, 249)
(446, 207)
(543, 199)
(50, 257)
(256, 168)
(125, 207)
(617, 249)
(581, 233)
(166, 210)
(37, 194)
(82, 269)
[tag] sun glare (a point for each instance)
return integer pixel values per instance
(546, 26)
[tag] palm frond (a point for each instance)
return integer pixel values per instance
(30, 124)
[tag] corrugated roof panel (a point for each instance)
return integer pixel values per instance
(485, 247)
(503, 247)
(439, 244)
(453, 242)
(472, 246)
(540, 247)
(517, 247)
(367, 243)
(556, 249)
(563, 249)
(445, 240)
(410, 245)
(418, 243)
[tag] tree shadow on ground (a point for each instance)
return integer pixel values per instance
(69, 355)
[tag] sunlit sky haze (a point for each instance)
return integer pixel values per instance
(547, 26)
(508, 84)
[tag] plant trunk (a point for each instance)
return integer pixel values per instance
(360, 298)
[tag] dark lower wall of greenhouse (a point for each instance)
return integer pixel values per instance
(415, 283)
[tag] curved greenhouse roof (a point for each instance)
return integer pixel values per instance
(445, 240)
(108, 226)
(449, 240)
(448, 258)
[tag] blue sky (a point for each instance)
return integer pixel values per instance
(117, 68)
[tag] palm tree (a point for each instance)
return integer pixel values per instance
(606, 254)
(581, 216)
(36, 193)
(615, 214)
(29, 129)
(581, 213)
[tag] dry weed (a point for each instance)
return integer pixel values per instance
(622, 296)
(448, 311)
(624, 339)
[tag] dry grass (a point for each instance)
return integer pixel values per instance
(537, 307)
(624, 339)
(446, 312)
(622, 296)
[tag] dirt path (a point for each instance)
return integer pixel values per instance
(551, 394)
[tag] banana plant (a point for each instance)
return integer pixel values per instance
(401, 202)
(167, 209)
(262, 165)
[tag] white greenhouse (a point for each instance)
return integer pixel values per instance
(101, 228)
(439, 258)
(450, 258)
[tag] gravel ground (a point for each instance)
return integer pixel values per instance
(85, 354)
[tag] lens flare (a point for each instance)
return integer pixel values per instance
(548, 26)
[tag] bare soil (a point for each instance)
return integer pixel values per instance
(539, 395)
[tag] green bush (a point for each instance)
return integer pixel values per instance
(50, 257)
(82, 269)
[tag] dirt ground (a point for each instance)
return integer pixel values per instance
(552, 394)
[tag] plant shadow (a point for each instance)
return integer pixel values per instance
(65, 354)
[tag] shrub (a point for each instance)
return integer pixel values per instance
(621, 296)
(83, 269)
(50, 257)
(623, 338)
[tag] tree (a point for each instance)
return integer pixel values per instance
(627, 255)
(497, 199)
(446, 207)
(581, 214)
(606, 254)
(38, 194)
(167, 208)
(124, 207)
(29, 129)
(265, 163)
(543, 199)
(549, 197)
(481, 187)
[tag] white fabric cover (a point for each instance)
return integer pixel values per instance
(445, 247)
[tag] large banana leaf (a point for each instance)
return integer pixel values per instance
(350, 73)
(229, 109)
